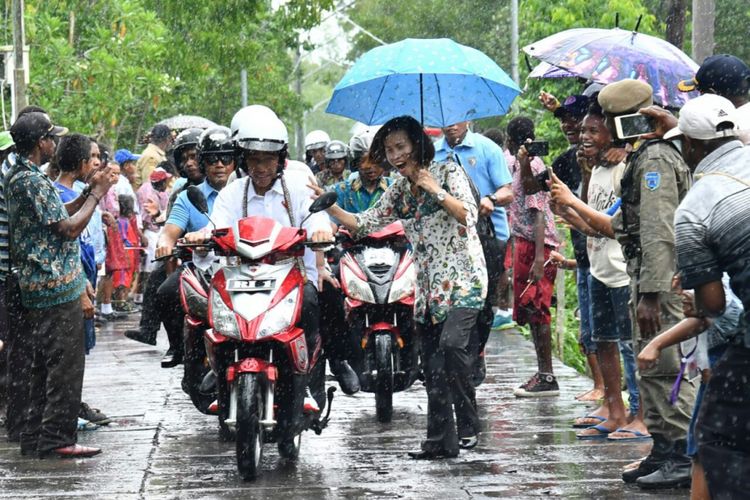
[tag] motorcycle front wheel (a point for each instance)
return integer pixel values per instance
(384, 378)
(249, 436)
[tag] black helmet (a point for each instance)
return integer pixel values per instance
(215, 141)
(187, 139)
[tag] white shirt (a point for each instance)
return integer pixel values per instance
(605, 254)
(228, 209)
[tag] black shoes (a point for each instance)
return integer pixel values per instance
(139, 336)
(93, 415)
(171, 359)
(648, 466)
(431, 455)
(345, 375)
(467, 443)
(672, 474)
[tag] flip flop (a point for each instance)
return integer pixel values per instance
(636, 436)
(578, 425)
(602, 433)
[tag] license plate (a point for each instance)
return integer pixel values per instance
(236, 285)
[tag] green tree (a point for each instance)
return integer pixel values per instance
(113, 68)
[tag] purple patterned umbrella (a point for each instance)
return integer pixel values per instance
(607, 56)
(546, 70)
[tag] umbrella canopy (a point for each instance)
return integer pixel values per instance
(546, 70)
(438, 82)
(607, 56)
(181, 122)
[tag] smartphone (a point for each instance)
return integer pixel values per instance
(537, 148)
(629, 126)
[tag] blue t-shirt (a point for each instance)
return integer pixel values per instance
(88, 254)
(485, 163)
(185, 216)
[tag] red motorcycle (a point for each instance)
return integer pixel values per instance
(378, 279)
(260, 356)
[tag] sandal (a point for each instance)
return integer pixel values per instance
(601, 433)
(634, 436)
(580, 422)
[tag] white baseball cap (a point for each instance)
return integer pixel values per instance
(701, 117)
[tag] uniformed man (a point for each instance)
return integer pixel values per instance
(655, 180)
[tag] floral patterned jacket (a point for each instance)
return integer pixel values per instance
(49, 264)
(451, 270)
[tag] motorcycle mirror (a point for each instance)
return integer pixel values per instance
(324, 201)
(195, 196)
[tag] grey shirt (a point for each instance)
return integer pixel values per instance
(712, 224)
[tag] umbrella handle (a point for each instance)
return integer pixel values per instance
(638, 23)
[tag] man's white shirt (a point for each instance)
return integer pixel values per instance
(228, 209)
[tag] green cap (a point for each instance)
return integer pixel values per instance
(625, 96)
(6, 140)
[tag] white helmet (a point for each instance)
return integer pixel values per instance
(258, 128)
(316, 139)
(360, 143)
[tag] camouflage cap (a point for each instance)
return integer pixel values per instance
(625, 96)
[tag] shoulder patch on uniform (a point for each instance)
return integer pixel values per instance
(653, 179)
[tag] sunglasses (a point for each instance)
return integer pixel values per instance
(213, 158)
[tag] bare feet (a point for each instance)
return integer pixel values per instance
(594, 394)
(592, 418)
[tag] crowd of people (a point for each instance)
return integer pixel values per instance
(656, 221)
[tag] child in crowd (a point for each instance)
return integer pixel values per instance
(535, 236)
(134, 242)
(713, 338)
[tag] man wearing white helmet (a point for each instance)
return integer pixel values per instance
(270, 190)
(315, 149)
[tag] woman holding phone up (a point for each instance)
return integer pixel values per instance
(439, 213)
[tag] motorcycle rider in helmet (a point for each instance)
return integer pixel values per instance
(359, 145)
(337, 163)
(154, 312)
(315, 147)
(282, 194)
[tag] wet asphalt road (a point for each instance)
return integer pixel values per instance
(160, 447)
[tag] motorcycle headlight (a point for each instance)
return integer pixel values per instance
(280, 316)
(356, 287)
(223, 319)
(404, 285)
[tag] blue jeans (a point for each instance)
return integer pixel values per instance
(612, 323)
(584, 310)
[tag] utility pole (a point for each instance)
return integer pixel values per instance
(19, 72)
(514, 40)
(704, 12)
(299, 130)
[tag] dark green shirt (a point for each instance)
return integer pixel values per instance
(49, 264)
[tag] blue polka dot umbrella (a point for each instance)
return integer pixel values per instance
(438, 82)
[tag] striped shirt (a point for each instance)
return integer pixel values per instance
(4, 242)
(712, 224)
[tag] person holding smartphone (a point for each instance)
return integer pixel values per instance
(655, 181)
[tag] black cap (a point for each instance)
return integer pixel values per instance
(30, 127)
(574, 105)
(721, 74)
(160, 132)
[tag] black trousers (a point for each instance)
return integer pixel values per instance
(161, 304)
(170, 309)
(447, 368)
(333, 329)
(17, 355)
(150, 318)
(722, 426)
(55, 376)
(494, 255)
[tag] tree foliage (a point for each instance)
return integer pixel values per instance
(113, 68)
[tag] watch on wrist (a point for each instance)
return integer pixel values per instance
(440, 195)
(87, 190)
(492, 198)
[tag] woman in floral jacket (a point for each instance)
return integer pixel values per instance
(435, 203)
